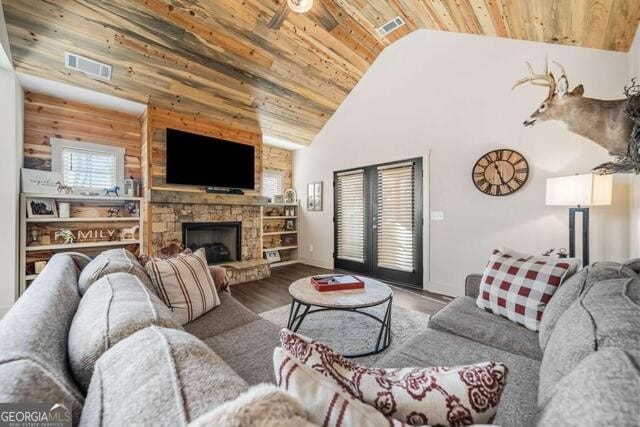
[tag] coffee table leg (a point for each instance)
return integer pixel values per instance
(301, 317)
(385, 329)
(293, 304)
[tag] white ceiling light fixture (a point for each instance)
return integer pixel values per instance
(300, 6)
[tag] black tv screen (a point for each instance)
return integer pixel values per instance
(201, 160)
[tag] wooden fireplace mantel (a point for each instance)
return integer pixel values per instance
(168, 196)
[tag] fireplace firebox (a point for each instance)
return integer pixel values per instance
(220, 240)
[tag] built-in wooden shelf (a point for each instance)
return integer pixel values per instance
(89, 213)
(87, 219)
(273, 233)
(82, 245)
(283, 263)
(280, 248)
(166, 196)
(80, 197)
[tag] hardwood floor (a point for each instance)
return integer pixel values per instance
(267, 294)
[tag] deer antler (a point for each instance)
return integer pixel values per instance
(546, 79)
(562, 70)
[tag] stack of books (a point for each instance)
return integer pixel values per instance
(336, 282)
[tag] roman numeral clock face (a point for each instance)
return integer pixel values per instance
(500, 172)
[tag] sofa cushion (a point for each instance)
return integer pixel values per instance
(248, 349)
(325, 402)
(263, 405)
(572, 288)
(414, 395)
(463, 317)
(633, 264)
(605, 315)
(435, 348)
(184, 284)
(228, 315)
(603, 390)
(114, 307)
(158, 376)
(112, 261)
(33, 339)
(519, 287)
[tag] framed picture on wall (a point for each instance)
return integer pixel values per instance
(314, 196)
(311, 205)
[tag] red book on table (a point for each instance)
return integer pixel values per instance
(336, 282)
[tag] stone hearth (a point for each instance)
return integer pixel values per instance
(167, 219)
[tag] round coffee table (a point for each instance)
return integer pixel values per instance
(304, 296)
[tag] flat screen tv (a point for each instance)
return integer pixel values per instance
(211, 162)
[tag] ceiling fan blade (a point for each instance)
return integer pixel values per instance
(279, 17)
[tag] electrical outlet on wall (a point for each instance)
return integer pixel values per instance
(437, 216)
(310, 249)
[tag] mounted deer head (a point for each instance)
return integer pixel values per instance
(602, 121)
(559, 97)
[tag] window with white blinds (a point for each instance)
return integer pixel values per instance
(88, 169)
(396, 216)
(350, 211)
(84, 165)
(272, 183)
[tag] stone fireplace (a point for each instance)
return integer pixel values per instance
(222, 241)
(198, 219)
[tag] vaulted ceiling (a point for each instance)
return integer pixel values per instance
(218, 59)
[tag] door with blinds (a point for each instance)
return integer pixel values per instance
(378, 221)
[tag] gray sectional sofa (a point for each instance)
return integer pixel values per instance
(597, 309)
(114, 357)
(150, 371)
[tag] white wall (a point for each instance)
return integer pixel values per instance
(11, 146)
(450, 94)
(634, 188)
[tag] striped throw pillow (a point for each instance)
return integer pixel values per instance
(185, 285)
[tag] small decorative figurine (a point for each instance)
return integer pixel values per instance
(113, 190)
(113, 212)
(129, 233)
(62, 188)
(132, 209)
(65, 234)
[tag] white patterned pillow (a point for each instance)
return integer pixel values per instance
(184, 284)
(326, 403)
(417, 396)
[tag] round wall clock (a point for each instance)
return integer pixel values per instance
(500, 172)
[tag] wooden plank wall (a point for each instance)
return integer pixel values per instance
(279, 159)
(46, 117)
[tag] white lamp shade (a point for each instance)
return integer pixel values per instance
(300, 6)
(580, 190)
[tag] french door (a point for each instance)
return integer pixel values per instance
(378, 221)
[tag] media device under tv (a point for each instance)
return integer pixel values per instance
(219, 165)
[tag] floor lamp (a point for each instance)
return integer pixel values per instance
(579, 192)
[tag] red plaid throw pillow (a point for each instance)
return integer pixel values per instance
(519, 287)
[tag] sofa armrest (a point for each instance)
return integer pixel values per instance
(472, 285)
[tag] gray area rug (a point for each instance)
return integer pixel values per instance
(350, 333)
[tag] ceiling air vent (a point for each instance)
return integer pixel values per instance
(87, 66)
(390, 26)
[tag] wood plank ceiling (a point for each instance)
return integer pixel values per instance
(217, 59)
